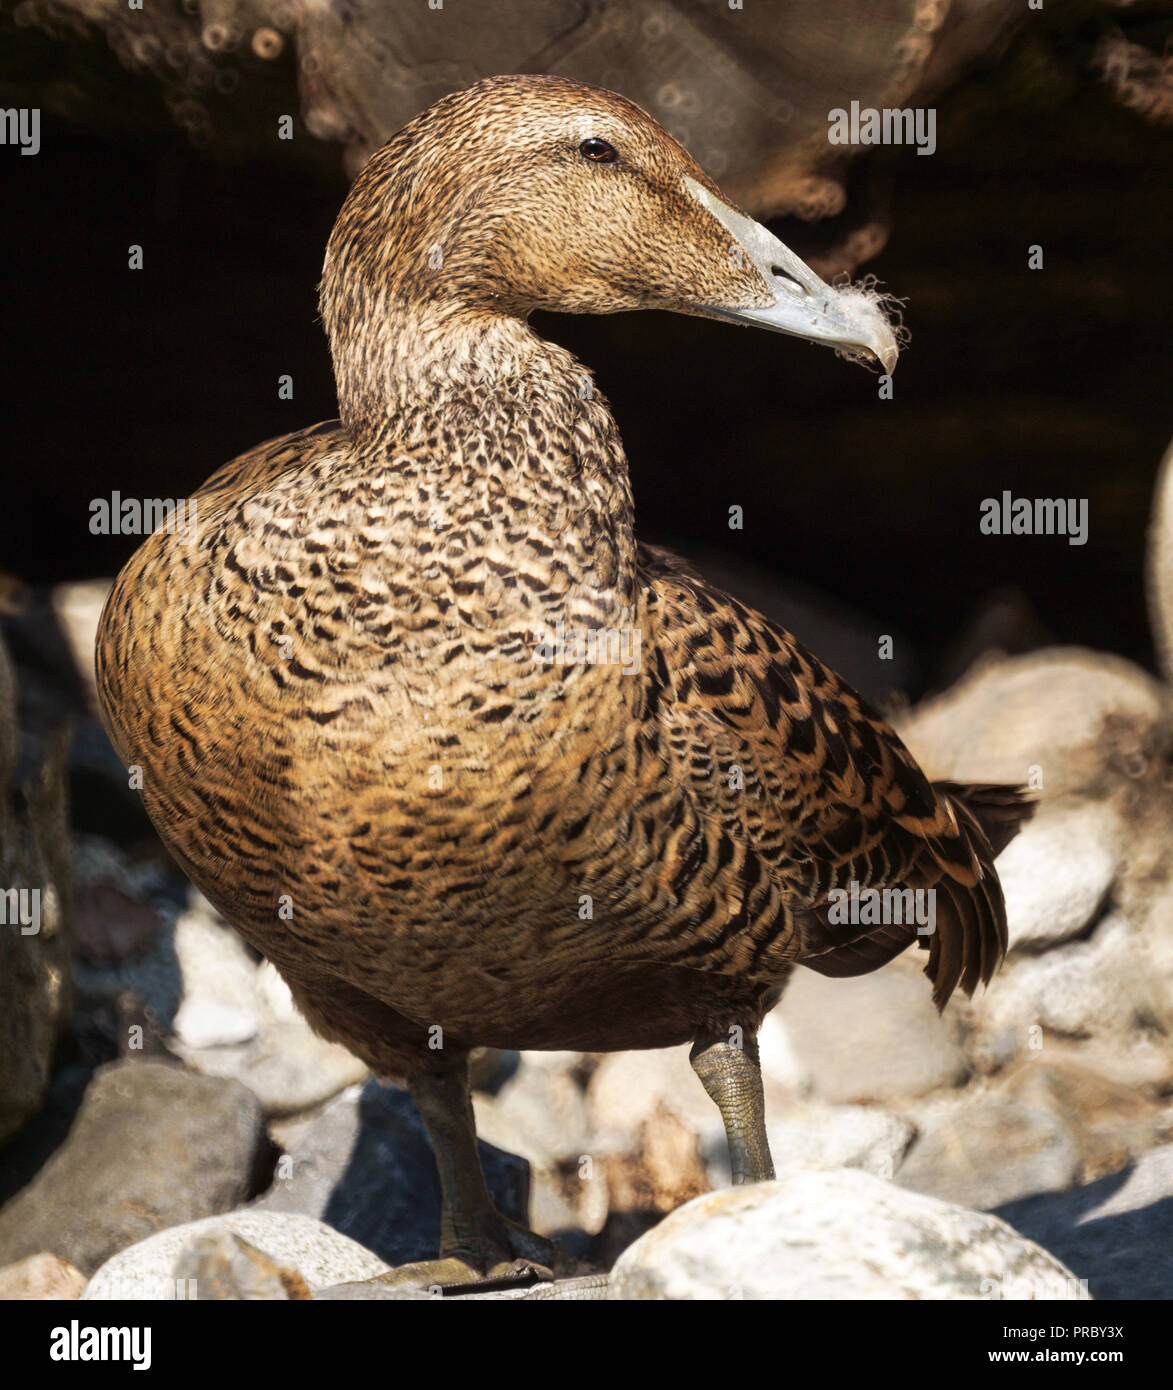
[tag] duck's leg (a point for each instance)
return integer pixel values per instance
(476, 1241)
(732, 1076)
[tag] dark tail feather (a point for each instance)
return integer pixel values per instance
(970, 936)
(971, 939)
(1001, 811)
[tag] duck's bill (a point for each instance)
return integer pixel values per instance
(848, 319)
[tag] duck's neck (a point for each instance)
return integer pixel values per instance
(400, 354)
(491, 429)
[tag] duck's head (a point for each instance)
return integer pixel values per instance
(524, 193)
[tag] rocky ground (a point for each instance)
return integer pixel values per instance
(166, 1115)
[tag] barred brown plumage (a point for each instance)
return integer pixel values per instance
(359, 733)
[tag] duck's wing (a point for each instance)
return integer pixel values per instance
(792, 763)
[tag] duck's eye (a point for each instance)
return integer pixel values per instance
(598, 150)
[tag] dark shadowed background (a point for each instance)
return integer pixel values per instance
(1052, 382)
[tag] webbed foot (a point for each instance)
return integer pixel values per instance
(508, 1251)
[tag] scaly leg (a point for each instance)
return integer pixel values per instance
(732, 1077)
(476, 1241)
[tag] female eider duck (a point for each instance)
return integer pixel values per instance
(361, 731)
